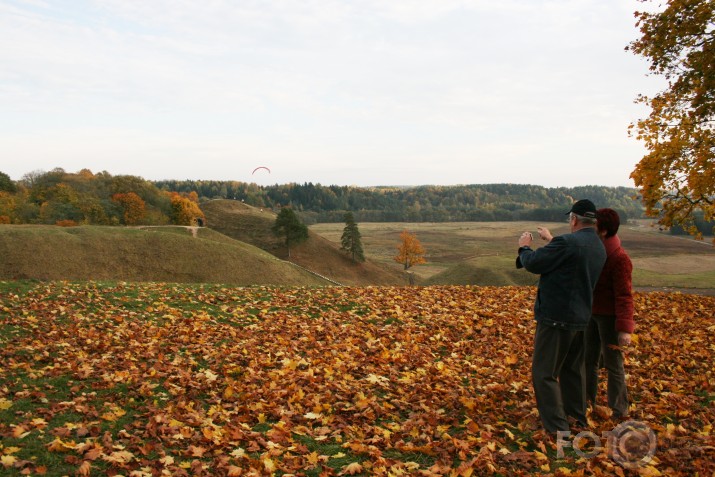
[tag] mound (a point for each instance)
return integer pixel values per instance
(483, 271)
(166, 254)
(249, 224)
(243, 222)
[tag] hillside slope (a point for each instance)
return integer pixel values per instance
(483, 271)
(167, 254)
(253, 225)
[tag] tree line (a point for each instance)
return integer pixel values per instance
(99, 198)
(483, 202)
(63, 198)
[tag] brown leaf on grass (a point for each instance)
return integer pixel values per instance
(119, 457)
(85, 469)
(196, 451)
(351, 469)
(20, 432)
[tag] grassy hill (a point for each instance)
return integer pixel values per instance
(236, 248)
(486, 271)
(253, 225)
(167, 254)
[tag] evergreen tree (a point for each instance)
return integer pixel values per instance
(289, 226)
(350, 240)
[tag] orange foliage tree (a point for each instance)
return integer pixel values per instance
(410, 251)
(133, 205)
(677, 175)
(185, 208)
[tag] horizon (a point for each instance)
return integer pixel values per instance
(376, 186)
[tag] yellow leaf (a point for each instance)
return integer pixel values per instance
(5, 404)
(511, 359)
(649, 471)
(540, 455)
(8, 460)
(58, 445)
(269, 465)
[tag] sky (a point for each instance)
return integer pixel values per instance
(344, 92)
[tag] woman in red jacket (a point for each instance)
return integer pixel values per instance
(612, 322)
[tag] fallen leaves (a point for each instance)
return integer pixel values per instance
(156, 379)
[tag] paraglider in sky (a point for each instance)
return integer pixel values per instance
(260, 167)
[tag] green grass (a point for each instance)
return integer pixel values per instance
(163, 254)
(648, 278)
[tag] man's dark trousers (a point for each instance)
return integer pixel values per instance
(558, 370)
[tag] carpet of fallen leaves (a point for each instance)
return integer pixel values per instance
(158, 379)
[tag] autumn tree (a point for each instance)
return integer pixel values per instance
(185, 209)
(350, 240)
(410, 251)
(7, 207)
(290, 228)
(677, 175)
(133, 206)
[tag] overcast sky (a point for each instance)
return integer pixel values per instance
(347, 92)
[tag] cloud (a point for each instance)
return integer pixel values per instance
(324, 82)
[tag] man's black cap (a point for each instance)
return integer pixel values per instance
(584, 208)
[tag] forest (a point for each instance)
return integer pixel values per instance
(429, 203)
(66, 198)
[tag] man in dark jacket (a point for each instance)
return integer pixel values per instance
(569, 266)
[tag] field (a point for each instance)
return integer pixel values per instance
(482, 253)
(166, 379)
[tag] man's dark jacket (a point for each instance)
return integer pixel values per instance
(569, 266)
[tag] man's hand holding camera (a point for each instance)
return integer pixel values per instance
(526, 239)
